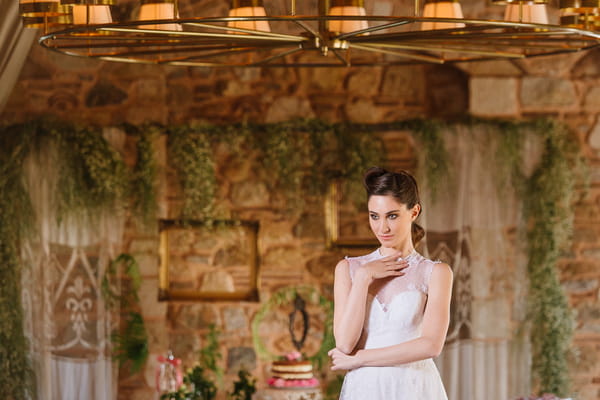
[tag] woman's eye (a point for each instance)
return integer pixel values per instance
(393, 216)
(374, 217)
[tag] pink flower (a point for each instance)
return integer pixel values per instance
(294, 355)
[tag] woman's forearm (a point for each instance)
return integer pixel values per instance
(348, 329)
(413, 350)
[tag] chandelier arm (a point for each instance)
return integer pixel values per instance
(309, 29)
(461, 34)
(420, 57)
(548, 44)
(375, 29)
(342, 59)
(280, 55)
(235, 50)
(249, 31)
(197, 34)
(446, 49)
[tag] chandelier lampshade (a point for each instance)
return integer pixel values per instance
(93, 14)
(248, 8)
(159, 10)
(442, 9)
(529, 12)
(352, 8)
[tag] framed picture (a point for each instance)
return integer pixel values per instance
(346, 219)
(208, 260)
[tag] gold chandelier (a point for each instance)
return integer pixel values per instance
(338, 33)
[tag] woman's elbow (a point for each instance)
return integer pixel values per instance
(434, 349)
(344, 348)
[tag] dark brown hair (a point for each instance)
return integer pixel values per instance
(401, 185)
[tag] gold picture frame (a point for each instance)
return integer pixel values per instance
(346, 225)
(208, 260)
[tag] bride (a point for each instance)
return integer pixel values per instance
(392, 306)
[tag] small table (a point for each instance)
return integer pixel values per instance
(289, 394)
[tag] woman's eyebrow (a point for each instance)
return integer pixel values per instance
(387, 213)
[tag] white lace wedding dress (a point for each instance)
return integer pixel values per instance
(394, 315)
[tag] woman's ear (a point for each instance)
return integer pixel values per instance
(415, 211)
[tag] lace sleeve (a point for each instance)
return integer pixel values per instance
(428, 272)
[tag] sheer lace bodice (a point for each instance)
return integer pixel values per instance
(394, 314)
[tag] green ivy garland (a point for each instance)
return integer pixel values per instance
(190, 154)
(286, 296)
(547, 205)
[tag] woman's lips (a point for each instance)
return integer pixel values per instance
(385, 237)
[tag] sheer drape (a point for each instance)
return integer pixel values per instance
(472, 226)
(15, 42)
(66, 320)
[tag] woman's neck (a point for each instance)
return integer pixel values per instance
(405, 250)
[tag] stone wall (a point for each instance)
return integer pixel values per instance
(292, 249)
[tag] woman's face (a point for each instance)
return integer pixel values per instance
(391, 220)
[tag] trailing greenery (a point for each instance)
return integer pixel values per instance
(547, 207)
(131, 340)
(210, 354)
(244, 387)
(285, 297)
(144, 176)
(191, 155)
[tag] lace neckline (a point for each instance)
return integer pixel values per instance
(409, 257)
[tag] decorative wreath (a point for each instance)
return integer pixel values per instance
(286, 296)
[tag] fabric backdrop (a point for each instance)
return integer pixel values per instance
(472, 225)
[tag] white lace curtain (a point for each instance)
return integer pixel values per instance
(66, 320)
(15, 42)
(472, 226)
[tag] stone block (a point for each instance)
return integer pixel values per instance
(287, 257)
(105, 93)
(193, 316)
(250, 194)
(148, 293)
(405, 84)
(557, 65)
(364, 81)
(594, 139)
(588, 66)
(580, 286)
(447, 91)
(493, 97)
(158, 336)
(185, 346)
(240, 358)
(143, 245)
(323, 267)
(287, 108)
(363, 110)
(148, 264)
(541, 93)
(310, 226)
(235, 319)
(310, 80)
(491, 68)
(591, 101)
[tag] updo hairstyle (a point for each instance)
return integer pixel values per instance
(400, 185)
